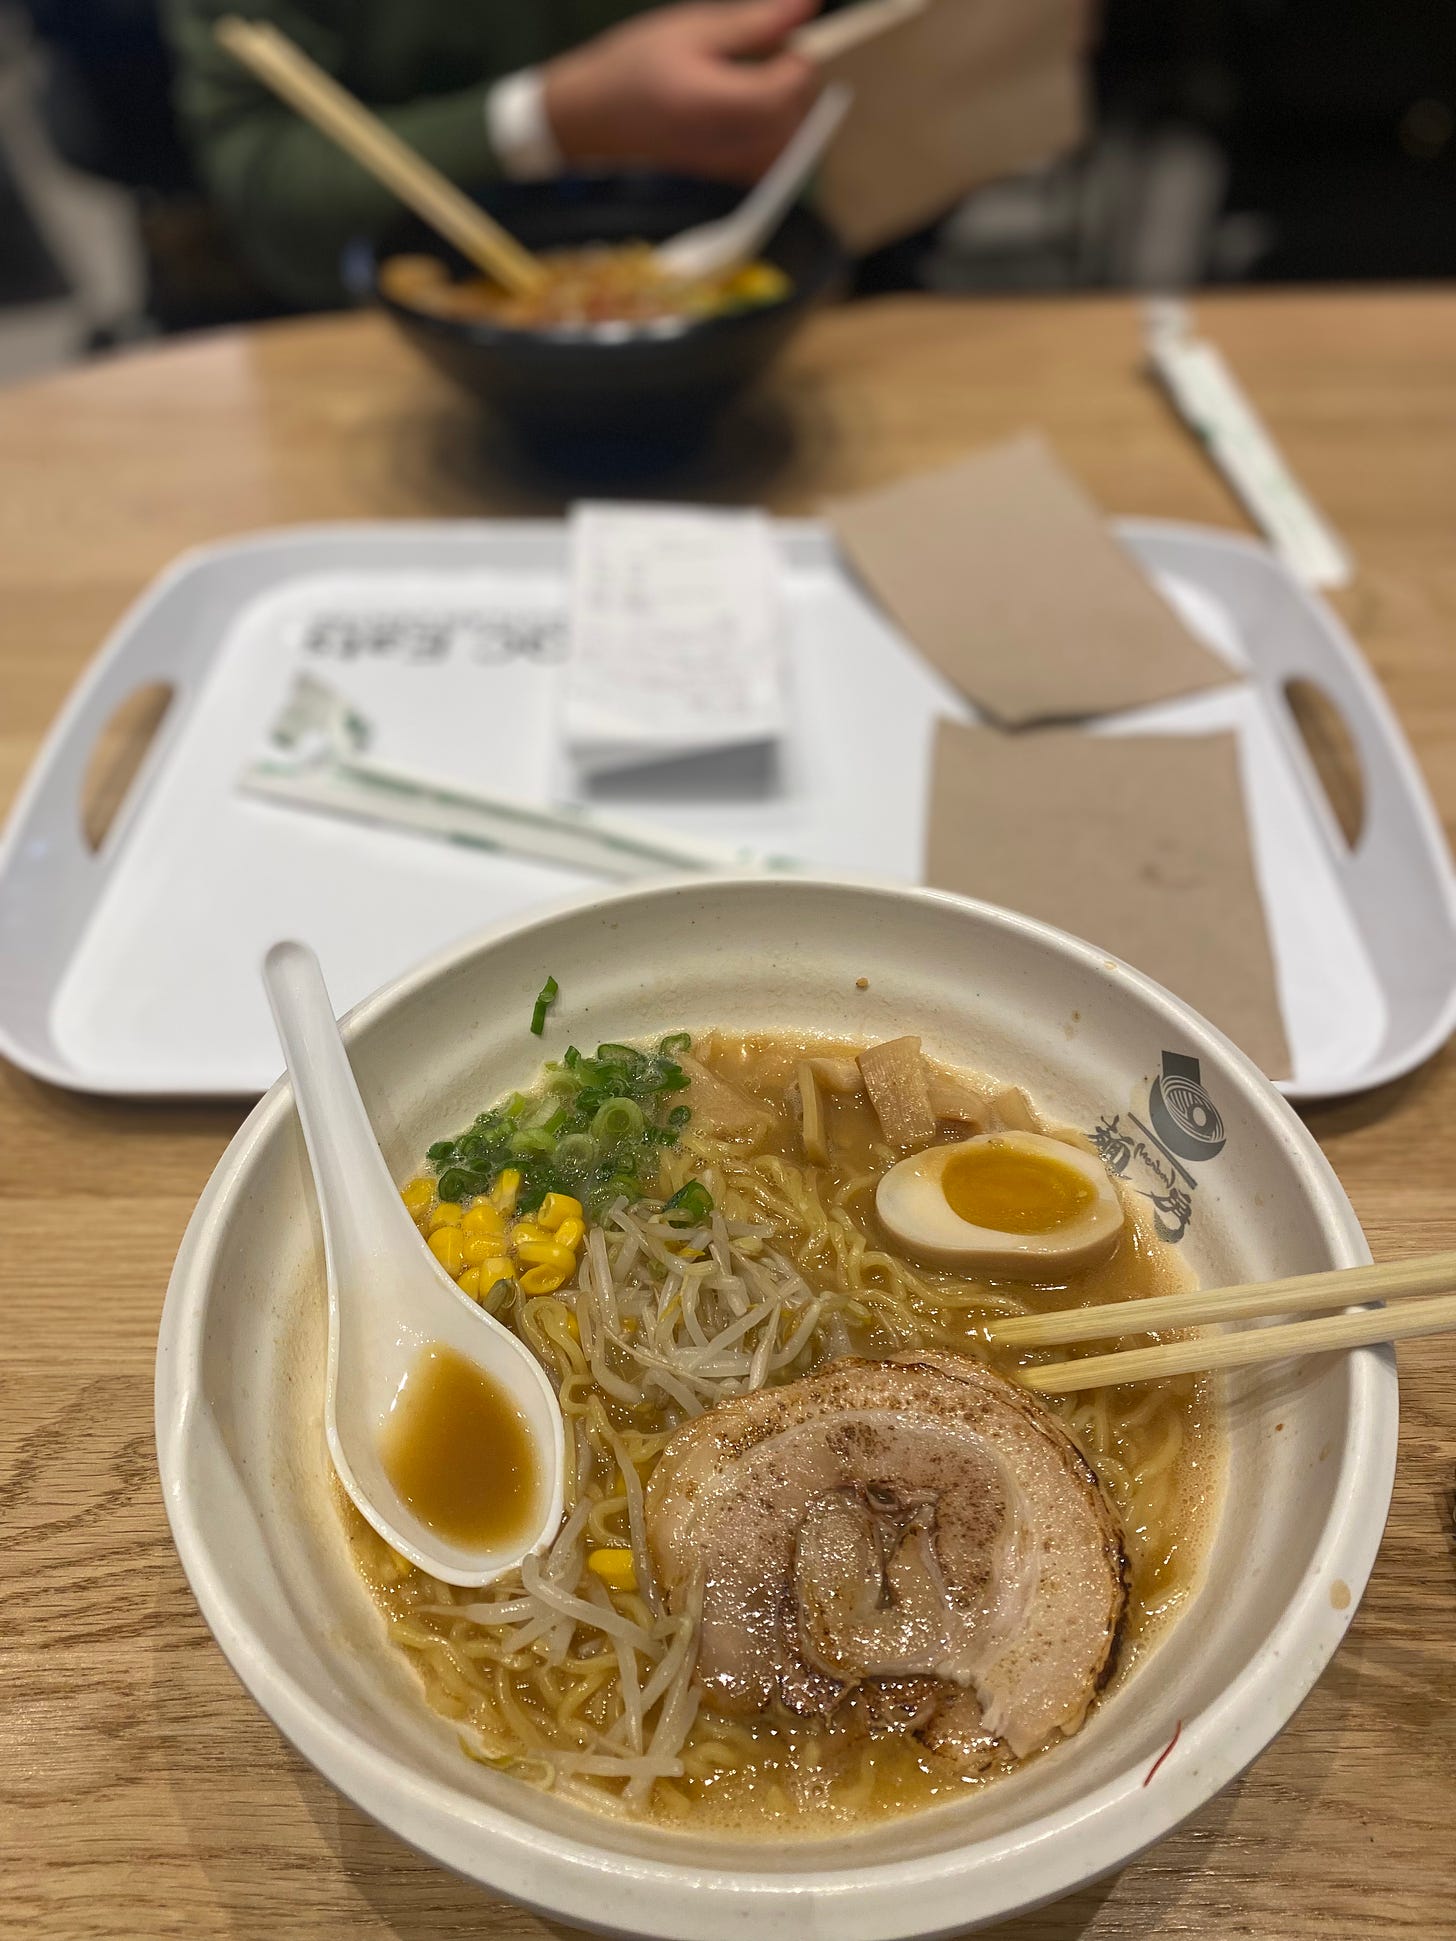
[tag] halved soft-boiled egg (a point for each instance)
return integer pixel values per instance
(1014, 1204)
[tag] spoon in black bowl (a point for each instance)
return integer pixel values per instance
(712, 248)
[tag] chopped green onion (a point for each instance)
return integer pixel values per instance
(595, 1127)
(673, 1043)
(577, 1152)
(545, 999)
(618, 1121)
(689, 1205)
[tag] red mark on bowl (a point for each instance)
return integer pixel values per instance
(1177, 1729)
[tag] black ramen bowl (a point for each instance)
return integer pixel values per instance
(568, 395)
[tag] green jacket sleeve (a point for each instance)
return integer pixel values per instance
(292, 198)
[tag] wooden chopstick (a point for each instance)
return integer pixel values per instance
(282, 65)
(833, 34)
(1303, 1293)
(1247, 1346)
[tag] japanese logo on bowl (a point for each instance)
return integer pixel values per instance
(1156, 1156)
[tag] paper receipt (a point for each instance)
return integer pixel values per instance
(676, 628)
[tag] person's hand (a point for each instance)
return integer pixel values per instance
(704, 89)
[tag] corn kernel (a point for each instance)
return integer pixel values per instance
(614, 1567)
(557, 1207)
(546, 1253)
(497, 1268)
(541, 1280)
(469, 1283)
(418, 1194)
(506, 1190)
(446, 1214)
(526, 1232)
(480, 1247)
(483, 1218)
(448, 1247)
(571, 1233)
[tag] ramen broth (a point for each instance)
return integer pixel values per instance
(1156, 1449)
(456, 1449)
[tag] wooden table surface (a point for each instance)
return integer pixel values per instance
(141, 1792)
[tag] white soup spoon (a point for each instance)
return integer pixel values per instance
(394, 1312)
(710, 248)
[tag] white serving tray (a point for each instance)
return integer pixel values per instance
(135, 970)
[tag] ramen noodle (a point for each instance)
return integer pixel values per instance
(584, 288)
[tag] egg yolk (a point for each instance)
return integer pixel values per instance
(1010, 1191)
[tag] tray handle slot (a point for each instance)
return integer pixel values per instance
(117, 754)
(71, 818)
(1333, 755)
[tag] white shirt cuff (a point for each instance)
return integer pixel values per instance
(519, 130)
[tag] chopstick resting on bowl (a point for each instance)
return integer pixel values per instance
(280, 64)
(1339, 1287)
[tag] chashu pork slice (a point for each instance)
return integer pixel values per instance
(917, 1535)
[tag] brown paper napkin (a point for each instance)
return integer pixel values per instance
(1002, 572)
(956, 95)
(1137, 843)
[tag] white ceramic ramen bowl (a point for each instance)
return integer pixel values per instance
(1311, 1448)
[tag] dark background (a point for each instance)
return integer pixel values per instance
(1235, 141)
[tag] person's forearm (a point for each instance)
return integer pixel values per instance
(295, 201)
